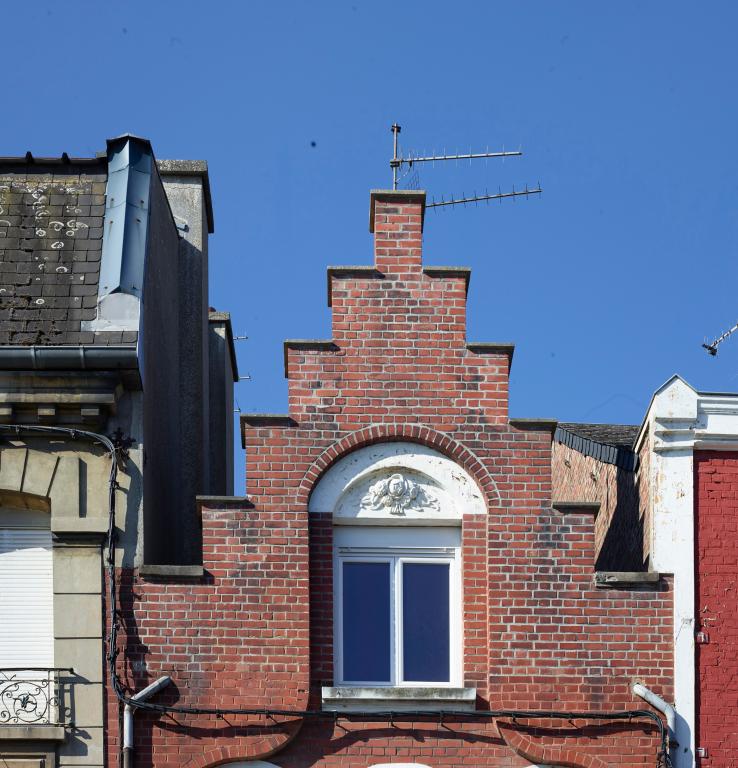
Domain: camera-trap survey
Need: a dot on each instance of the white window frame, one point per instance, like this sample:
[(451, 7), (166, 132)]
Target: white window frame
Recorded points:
[(397, 547)]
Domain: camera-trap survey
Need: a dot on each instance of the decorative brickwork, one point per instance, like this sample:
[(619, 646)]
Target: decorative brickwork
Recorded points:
[(258, 629), (716, 512)]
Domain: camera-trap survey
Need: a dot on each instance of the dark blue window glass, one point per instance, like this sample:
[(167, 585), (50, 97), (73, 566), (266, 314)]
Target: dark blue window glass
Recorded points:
[(425, 622), (366, 622)]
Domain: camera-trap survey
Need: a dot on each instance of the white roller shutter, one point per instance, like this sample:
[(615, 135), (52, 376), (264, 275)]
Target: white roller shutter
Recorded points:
[(26, 598)]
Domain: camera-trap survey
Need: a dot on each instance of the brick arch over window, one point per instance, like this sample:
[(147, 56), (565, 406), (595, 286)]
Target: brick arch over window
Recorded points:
[(249, 764), (412, 433), (541, 754), (242, 755)]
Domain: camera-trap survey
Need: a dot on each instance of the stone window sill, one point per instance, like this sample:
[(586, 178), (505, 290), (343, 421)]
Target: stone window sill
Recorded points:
[(621, 579), (398, 699), (32, 733)]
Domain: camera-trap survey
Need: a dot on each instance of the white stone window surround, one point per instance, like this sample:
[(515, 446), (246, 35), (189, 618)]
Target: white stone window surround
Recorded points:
[(445, 491), (399, 500)]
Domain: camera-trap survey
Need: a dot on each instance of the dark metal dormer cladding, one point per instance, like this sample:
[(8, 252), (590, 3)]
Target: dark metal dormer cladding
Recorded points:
[(127, 214)]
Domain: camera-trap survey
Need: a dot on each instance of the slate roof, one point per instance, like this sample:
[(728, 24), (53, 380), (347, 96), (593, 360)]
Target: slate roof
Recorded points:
[(619, 435), (609, 443), (51, 229)]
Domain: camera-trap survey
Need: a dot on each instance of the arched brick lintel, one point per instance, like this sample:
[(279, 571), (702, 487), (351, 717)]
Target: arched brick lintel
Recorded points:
[(412, 433), (256, 749), (540, 754)]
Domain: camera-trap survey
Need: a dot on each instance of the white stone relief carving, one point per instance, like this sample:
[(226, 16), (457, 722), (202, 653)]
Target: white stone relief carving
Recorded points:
[(396, 494), (345, 490)]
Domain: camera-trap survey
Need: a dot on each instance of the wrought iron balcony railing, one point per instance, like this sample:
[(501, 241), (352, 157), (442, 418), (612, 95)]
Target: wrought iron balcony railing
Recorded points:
[(35, 696)]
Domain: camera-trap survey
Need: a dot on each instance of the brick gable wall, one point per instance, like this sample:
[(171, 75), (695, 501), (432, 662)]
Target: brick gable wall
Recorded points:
[(619, 523), (257, 629)]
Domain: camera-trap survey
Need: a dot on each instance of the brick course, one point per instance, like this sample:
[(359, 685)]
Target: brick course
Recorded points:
[(257, 630)]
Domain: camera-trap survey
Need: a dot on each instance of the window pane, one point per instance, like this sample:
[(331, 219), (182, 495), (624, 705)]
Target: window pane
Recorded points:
[(425, 622), (366, 622)]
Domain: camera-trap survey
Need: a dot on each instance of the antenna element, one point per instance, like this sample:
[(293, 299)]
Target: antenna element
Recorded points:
[(398, 161), (712, 348)]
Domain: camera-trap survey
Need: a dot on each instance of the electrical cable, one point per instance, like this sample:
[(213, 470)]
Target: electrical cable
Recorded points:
[(663, 757)]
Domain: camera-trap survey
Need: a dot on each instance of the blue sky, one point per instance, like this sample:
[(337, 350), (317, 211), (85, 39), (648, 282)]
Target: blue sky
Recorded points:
[(626, 113)]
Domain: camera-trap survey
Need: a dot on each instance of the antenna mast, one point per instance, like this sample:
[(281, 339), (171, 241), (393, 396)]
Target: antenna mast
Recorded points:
[(398, 161), (712, 348)]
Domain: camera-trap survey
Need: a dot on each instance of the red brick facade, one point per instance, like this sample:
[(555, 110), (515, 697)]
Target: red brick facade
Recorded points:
[(621, 535), (716, 528), (257, 630)]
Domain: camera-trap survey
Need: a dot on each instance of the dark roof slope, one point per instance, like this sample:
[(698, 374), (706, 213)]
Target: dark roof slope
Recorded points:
[(620, 435), (609, 443), (51, 229)]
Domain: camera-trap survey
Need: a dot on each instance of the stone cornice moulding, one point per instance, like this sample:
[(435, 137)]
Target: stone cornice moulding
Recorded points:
[(682, 419)]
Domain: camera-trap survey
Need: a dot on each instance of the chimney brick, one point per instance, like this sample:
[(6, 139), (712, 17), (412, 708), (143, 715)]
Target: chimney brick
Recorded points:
[(396, 219)]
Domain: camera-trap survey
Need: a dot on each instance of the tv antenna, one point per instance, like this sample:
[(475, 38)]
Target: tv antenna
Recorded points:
[(398, 162), (712, 348)]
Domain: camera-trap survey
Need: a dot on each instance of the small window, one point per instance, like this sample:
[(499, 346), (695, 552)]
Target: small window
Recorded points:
[(397, 595)]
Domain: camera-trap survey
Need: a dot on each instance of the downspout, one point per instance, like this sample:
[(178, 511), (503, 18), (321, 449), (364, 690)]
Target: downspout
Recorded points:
[(129, 711), (664, 707)]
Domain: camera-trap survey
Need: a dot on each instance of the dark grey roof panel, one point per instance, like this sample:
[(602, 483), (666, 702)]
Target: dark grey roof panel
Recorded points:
[(621, 435), (51, 232), (608, 443)]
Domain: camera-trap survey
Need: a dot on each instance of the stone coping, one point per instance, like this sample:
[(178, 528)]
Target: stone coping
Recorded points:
[(577, 506), (534, 424)]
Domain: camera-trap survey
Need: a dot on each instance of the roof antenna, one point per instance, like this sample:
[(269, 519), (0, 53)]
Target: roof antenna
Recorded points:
[(398, 162), (712, 348)]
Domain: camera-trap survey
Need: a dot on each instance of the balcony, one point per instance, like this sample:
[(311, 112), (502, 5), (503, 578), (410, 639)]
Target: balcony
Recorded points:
[(35, 703)]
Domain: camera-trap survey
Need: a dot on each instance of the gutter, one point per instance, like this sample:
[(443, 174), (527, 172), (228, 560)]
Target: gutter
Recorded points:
[(84, 357)]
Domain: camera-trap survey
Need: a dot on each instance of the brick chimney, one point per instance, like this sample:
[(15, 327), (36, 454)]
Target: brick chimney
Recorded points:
[(396, 219)]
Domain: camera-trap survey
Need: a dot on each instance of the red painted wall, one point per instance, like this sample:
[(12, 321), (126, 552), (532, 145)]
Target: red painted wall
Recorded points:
[(716, 526), (257, 629)]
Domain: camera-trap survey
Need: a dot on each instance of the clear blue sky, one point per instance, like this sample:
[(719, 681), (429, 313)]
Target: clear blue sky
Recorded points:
[(626, 112)]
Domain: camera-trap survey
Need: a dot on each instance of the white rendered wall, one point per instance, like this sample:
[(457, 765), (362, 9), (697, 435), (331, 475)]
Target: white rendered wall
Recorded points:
[(679, 421)]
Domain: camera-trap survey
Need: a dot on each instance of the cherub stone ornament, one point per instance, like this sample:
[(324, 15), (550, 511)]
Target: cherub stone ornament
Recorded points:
[(396, 494)]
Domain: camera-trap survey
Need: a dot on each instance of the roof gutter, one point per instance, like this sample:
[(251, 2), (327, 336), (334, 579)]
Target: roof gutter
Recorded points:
[(89, 358)]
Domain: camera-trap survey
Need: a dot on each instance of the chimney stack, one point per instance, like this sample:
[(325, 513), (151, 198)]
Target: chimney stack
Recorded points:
[(396, 219)]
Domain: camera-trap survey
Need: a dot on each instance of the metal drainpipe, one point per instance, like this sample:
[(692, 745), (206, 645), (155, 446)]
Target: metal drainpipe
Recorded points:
[(129, 711), (664, 707)]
